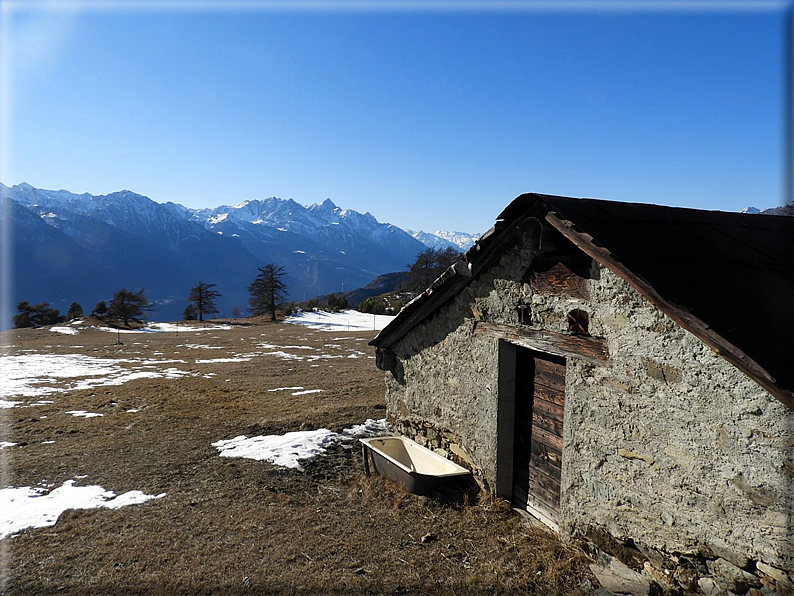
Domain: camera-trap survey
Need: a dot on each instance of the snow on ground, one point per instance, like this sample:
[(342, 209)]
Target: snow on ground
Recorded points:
[(284, 355), (289, 449), (43, 374), (349, 320), (199, 347), (4, 444), (26, 507), (83, 414), (239, 358), (65, 330), (171, 327), (165, 328), (35, 374)]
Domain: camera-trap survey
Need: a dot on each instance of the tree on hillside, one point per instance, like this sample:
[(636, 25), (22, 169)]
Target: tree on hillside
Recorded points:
[(100, 310), (336, 303), (429, 264), (202, 296), (128, 307), (236, 312), (267, 291), (36, 315), (23, 316), (189, 314), (373, 305), (75, 311)]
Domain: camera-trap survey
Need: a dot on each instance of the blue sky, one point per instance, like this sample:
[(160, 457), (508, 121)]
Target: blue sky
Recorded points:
[(429, 119)]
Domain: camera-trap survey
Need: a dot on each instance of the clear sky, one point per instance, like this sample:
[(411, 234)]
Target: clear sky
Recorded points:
[(429, 119)]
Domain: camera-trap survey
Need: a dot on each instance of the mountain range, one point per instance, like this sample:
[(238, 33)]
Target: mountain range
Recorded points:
[(70, 247)]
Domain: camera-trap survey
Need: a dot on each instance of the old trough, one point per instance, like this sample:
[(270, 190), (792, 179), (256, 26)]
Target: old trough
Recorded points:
[(417, 468)]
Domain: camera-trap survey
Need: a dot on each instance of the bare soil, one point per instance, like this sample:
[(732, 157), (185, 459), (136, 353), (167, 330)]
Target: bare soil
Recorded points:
[(238, 526)]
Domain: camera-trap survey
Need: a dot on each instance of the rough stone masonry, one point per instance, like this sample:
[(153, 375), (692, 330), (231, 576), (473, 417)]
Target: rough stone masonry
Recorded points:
[(667, 446)]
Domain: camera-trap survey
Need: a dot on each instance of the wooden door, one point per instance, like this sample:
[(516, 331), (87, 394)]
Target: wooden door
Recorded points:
[(537, 442)]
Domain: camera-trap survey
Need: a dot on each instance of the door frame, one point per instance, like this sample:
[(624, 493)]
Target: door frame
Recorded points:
[(505, 425)]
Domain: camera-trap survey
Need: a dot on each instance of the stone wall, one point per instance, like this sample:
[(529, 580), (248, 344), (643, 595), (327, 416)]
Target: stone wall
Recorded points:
[(670, 446)]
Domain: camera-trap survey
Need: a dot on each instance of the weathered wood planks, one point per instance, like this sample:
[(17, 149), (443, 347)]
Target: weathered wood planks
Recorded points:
[(584, 347)]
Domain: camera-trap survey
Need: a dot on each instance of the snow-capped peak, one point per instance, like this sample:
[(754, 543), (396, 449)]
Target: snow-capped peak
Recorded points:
[(783, 210), (440, 239)]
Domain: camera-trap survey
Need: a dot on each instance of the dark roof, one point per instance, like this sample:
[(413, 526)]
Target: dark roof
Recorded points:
[(726, 277)]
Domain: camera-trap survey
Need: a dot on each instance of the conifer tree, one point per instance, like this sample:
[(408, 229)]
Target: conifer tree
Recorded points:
[(202, 296), (267, 291), (429, 264), (129, 307), (75, 311), (100, 310), (36, 315)]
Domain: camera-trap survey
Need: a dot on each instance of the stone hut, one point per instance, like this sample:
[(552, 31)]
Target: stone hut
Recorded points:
[(615, 367)]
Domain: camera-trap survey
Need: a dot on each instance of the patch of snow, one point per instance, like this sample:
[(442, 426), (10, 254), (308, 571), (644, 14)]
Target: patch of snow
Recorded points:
[(293, 447), (286, 389), (83, 414), (65, 330), (284, 355), (166, 328), (26, 507), (200, 347), (241, 358), (350, 320), (282, 450), (4, 444), (169, 327), (369, 428), (218, 218), (78, 322), (5, 404), (43, 374), (133, 410), (307, 392)]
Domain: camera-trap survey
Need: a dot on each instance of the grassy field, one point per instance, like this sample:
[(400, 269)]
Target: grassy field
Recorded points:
[(229, 525)]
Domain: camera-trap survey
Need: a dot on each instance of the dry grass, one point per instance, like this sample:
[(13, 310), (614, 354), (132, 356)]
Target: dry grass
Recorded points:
[(230, 526)]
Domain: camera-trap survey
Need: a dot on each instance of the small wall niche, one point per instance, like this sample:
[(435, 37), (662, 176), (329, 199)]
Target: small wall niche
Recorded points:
[(579, 322)]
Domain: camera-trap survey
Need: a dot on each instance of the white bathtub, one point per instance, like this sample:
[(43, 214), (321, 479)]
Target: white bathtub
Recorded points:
[(417, 468)]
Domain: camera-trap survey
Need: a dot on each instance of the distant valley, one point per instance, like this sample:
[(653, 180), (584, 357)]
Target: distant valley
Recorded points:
[(71, 247)]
